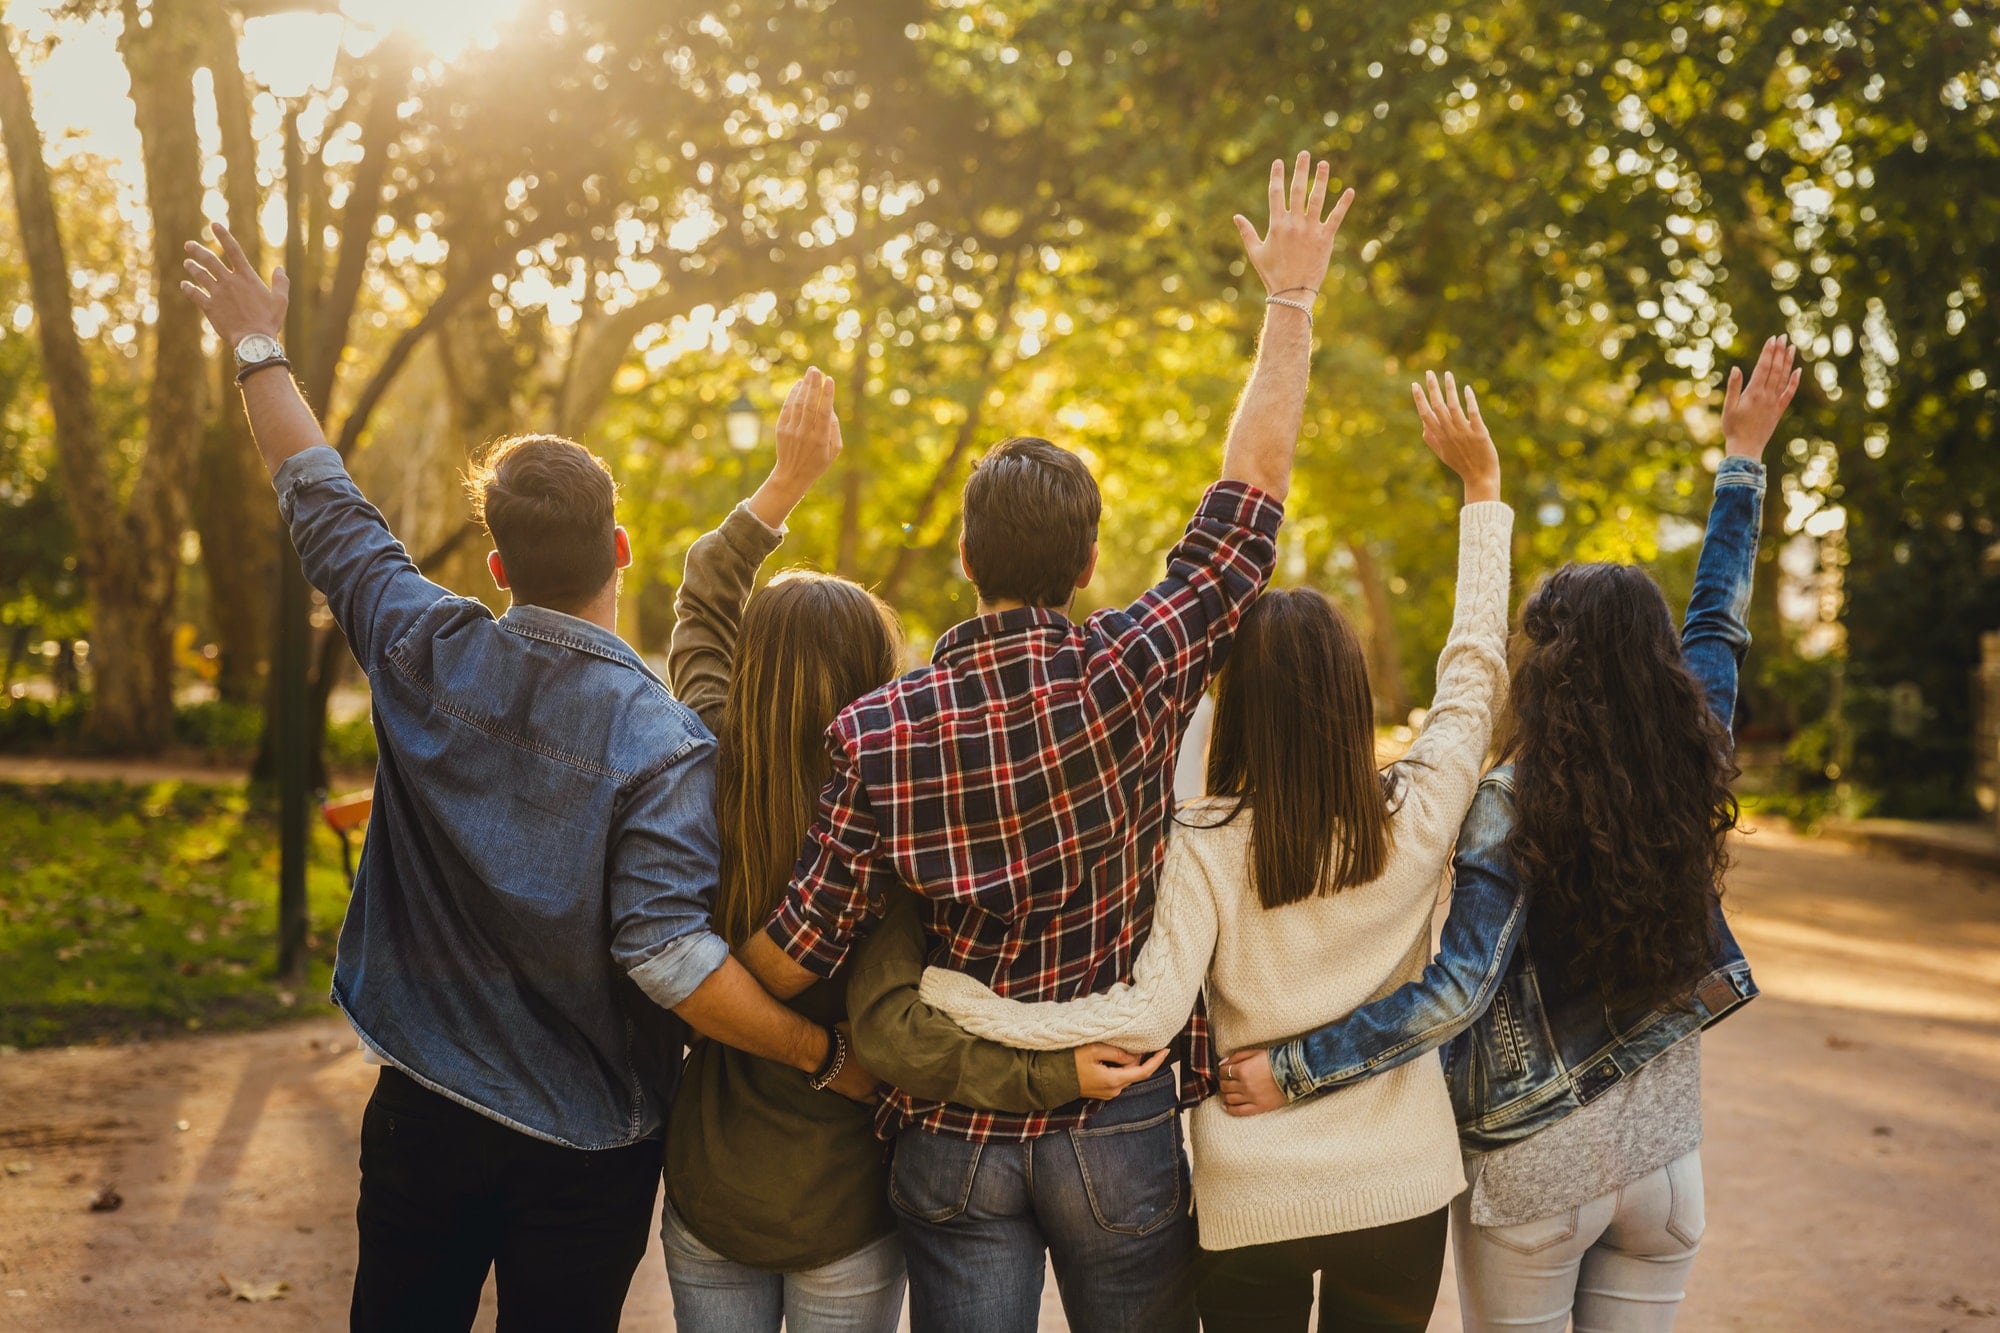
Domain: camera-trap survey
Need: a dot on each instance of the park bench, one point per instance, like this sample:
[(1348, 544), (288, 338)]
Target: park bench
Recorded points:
[(344, 814)]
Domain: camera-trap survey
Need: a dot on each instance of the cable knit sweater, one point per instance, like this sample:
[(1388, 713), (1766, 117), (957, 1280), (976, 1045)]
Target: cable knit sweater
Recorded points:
[(1386, 1149)]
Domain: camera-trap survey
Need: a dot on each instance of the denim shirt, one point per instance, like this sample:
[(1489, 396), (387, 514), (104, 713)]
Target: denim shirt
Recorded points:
[(535, 887), (1526, 1046)]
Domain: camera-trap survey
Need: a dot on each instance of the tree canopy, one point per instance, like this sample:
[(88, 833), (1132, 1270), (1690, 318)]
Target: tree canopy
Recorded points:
[(614, 217)]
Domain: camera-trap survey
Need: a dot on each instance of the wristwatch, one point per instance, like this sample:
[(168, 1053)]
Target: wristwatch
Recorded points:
[(257, 352)]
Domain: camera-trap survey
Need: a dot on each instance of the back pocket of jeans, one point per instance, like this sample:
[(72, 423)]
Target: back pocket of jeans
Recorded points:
[(1132, 1173), (1536, 1236), (930, 1179), (1687, 1212)]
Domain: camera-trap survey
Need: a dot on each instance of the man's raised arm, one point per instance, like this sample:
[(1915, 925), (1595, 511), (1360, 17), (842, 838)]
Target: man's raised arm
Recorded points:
[(371, 585), (1291, 259), (240, 305)]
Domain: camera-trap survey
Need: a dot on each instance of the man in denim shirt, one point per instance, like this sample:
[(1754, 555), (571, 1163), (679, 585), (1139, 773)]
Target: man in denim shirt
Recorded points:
[(529, 931)]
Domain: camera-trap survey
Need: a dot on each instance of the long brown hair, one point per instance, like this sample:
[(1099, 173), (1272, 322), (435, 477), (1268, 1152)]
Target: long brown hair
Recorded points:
[(1294, 740), (1621, 778), (811, 645)]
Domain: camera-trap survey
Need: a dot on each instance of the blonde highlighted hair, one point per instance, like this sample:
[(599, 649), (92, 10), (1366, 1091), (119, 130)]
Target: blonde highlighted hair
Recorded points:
[(811, 644)]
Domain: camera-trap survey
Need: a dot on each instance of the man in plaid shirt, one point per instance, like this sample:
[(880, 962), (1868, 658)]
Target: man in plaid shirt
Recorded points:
[(1022, 786)]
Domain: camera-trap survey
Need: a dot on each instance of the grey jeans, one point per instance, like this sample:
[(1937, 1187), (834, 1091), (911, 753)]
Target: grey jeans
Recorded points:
[(1618, 1264)]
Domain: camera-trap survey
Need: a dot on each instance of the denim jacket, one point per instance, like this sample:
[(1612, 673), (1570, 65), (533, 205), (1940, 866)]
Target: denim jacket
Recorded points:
[(1524, 1046), (535, 887)]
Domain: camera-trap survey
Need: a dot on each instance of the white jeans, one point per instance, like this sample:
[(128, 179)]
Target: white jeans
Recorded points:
[(1618, 1264)]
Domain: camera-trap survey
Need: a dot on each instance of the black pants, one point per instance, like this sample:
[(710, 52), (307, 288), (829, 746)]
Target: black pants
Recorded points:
[(1382, 1278), (447, 1193)]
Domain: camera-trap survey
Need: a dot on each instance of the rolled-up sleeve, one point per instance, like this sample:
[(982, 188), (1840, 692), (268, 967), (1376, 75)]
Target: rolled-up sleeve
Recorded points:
[(1183, 624), (663, 876), (371, 585), (841, 884)]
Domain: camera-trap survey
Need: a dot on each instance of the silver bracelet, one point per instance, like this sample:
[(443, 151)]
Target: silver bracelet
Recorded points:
[(1299, 306), (836, 1060)]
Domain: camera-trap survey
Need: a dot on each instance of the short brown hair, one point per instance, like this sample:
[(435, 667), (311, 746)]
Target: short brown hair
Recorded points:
[(550, 506), (1031, 513)]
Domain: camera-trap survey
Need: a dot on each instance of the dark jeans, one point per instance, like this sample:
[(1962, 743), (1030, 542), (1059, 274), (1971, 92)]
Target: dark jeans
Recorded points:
[(1108, 1204), (1381, 1278), (447, 1193)]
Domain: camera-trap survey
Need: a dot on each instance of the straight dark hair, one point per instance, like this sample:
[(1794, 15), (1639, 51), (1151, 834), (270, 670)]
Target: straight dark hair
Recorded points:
[(1294, 740), (1621, 781)]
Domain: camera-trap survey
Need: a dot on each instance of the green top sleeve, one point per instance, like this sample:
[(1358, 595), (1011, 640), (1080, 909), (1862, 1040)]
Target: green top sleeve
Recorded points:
[(708, 610), (907, 1042)]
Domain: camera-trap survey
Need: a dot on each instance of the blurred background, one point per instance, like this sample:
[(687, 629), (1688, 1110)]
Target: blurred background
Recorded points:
[(635, 222)]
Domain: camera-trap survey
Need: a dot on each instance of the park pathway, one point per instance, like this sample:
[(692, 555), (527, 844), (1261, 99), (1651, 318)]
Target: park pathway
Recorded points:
[(1853, 1137)]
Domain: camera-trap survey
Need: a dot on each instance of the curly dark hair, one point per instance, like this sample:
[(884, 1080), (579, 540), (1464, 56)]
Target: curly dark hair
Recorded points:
[(1622, 788)]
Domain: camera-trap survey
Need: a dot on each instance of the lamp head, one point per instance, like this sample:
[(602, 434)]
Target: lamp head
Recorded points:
[(743, 425)]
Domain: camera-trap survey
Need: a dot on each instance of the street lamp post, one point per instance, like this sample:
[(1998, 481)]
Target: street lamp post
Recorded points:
[(291, 54), (744, 427)]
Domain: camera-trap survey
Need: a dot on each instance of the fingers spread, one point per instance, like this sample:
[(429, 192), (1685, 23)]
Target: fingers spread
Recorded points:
[(1340, 209), (1301, 171), (231, 247), (1277, 187), (1316, 200), (195, 294), (208, 259)]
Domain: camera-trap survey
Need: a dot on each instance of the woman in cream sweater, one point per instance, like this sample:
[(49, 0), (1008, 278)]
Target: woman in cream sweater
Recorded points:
[(1300, 888)]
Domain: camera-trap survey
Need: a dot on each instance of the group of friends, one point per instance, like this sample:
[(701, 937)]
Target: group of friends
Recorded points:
[(915, 980)]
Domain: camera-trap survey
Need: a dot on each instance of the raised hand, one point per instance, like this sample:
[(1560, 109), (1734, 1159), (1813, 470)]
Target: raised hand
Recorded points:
[(1248, 1086), (1456, 433), (1750, 413), (1292, 255), (1102, 1072), (808, 444), (229, 293)]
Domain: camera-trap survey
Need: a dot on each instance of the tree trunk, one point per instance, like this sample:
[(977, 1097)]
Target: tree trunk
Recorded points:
[(1385, 666), (131, 554), (854, 449), (162, 59), (231, 501)]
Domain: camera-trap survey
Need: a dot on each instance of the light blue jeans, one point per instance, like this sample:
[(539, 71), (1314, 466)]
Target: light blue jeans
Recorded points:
[(862, 1293), (1618, 1264)]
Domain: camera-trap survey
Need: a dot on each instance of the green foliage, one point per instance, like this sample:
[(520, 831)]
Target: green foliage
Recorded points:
[(990, 218), (36, 724), (221, 730), (350, 746), (128, 911)]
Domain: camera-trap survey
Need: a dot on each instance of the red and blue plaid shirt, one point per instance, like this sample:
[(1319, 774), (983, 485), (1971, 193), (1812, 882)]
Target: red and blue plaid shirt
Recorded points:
[(1022, 785)]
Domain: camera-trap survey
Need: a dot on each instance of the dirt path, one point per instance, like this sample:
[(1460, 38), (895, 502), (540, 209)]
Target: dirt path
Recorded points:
[(1853, 1123)]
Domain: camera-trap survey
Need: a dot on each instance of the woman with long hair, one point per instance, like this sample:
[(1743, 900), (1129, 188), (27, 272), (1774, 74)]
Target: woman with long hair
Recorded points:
[(777, 1208), (1586, 949), (1304, 884)]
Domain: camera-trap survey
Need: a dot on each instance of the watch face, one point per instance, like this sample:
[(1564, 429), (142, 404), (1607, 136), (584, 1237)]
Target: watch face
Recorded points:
[(258, 347)]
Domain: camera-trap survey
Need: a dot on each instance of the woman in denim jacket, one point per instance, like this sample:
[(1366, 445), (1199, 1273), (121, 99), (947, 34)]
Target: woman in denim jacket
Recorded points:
[(1585, 948)]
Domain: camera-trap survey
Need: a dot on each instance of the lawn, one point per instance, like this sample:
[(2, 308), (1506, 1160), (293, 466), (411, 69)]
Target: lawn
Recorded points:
[(140, 910)]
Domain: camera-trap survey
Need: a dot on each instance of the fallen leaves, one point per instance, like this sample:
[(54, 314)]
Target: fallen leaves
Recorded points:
[(256, 1292)]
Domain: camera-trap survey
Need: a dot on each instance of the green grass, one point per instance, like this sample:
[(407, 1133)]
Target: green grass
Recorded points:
[(142, 910)]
